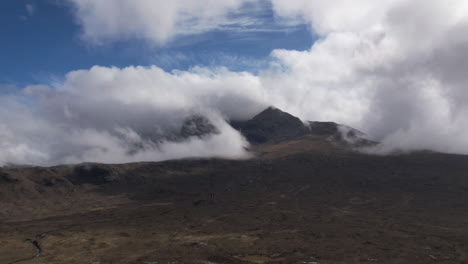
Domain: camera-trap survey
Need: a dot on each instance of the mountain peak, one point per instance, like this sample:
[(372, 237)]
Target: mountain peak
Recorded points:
[(271, 125), (272, 113), (274, 120)]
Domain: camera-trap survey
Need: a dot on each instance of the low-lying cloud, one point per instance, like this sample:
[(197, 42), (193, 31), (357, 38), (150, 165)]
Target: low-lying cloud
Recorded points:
[(122, 115), (395, 69)]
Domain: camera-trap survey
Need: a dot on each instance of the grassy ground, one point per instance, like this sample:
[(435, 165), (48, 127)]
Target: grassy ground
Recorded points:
[(303, 201)]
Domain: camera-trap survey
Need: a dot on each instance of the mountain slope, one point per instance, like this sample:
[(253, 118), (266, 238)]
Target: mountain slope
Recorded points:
[(303, 199)]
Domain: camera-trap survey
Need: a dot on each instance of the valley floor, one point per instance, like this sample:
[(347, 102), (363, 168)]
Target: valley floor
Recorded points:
[(308, 207)]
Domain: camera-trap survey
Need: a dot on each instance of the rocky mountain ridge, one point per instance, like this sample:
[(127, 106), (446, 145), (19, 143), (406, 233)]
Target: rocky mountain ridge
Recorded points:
[(274, 126)]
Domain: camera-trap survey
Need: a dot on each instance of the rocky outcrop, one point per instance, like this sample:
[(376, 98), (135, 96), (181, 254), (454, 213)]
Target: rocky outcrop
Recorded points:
[(271, 126), (197, 126)]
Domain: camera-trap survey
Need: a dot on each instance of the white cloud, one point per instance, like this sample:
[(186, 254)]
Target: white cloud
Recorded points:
[(160, 21), (122, 115), (156, 20), (395, 69)]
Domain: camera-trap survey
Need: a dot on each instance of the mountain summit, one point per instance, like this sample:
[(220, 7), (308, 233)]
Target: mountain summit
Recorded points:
[(273, 126), (270, 126)]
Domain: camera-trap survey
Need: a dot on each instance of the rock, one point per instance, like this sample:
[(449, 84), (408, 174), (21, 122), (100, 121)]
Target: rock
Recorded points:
[(197, 126), (271, 126)]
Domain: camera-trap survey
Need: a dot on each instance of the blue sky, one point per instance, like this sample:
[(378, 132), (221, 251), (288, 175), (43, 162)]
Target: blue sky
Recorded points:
[(41, 41)]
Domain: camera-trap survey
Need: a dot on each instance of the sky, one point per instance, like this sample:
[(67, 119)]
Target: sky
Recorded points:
[(111, 80), (42, 41)]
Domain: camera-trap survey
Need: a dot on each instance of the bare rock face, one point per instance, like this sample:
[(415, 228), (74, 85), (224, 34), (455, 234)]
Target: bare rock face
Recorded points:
[(274, 126), (197, 126), (323, 128), (271, 126)]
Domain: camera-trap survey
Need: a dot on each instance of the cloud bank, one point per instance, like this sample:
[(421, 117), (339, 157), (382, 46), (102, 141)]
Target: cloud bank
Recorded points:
[(395, 69), (400, 64), (116, 115)]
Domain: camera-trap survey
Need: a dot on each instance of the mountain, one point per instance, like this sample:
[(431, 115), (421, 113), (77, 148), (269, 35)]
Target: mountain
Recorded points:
[(274, 126), (304, 197), (270, 126)]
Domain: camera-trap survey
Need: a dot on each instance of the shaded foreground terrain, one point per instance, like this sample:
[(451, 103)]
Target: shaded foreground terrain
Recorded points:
[(303, 199)]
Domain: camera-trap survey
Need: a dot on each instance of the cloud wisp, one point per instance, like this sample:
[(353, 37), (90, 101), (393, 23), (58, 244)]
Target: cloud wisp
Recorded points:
[(31, 10), (160, 21)]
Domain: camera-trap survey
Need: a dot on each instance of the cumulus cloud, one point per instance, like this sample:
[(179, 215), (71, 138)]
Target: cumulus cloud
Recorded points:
[(400, 60), (122, 115), (394, 69)]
